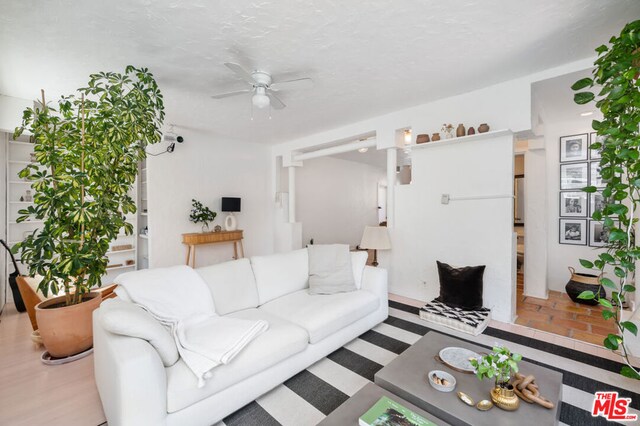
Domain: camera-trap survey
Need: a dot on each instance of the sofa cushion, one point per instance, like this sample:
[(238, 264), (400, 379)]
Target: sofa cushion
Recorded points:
[(127, 319), (281, 341), (461, 287), (232, 285), (330, 269), (358, 262), (280, 274), (322, 314)]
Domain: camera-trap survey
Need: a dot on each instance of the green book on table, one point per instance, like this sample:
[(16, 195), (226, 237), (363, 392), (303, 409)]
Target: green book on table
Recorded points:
[(387, 412)]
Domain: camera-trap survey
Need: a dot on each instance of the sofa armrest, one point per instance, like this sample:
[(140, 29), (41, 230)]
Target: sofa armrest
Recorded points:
[(375, 281), (130, 377)]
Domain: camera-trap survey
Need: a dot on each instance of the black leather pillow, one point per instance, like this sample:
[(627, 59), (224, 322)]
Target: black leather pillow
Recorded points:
[(461, 287)]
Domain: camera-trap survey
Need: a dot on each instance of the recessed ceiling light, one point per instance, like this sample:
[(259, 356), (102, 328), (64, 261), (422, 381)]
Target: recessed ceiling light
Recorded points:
[(363, 150), (586, 114)]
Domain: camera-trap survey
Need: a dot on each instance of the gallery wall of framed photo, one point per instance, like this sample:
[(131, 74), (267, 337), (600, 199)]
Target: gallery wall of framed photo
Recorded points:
[(580, 167)]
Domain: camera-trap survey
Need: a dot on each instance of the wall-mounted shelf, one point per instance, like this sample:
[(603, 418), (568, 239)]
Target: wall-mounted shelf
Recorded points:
[(463, 139), (117, 268)]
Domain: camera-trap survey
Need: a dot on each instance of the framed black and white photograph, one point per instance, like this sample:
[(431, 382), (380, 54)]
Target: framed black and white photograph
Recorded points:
[(595, 154), (573, 204), (595, 179), (596, 202), (574, 176), (574, 148), (573, 231), (598, 233)]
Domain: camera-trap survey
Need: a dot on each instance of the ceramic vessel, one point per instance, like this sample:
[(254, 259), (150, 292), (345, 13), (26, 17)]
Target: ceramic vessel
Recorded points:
[(579, 282), (471, 131), (505, 398), (435, 137), (67, 330), (460, 131), (483, 128), (423, 138)]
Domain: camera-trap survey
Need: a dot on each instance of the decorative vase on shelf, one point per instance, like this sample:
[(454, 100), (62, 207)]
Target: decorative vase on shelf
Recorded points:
[(460, 131), (205, 228), (423, 138), (435, 137), (447, 129), (483, 128), (471, 131)]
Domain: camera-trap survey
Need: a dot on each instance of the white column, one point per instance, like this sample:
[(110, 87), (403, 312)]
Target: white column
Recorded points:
[(292, 194), (392, 162)]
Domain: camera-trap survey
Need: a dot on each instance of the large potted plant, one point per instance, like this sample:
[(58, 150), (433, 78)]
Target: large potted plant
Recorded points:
[(616, 77), (87, 153)]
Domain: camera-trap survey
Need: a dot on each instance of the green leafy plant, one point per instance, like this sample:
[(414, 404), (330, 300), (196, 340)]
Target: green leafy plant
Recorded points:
[(500, 365), (201, 213), (87, 153), (616, 77)]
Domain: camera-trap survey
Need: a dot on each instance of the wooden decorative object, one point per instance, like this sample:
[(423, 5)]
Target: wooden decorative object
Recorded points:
[(527, 390)]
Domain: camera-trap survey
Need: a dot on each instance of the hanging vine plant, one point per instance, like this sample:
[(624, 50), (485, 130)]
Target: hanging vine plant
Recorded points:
[(617, 76)]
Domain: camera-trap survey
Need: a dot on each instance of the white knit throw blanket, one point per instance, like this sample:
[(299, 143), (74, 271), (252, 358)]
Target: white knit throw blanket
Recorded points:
[(179, 298)]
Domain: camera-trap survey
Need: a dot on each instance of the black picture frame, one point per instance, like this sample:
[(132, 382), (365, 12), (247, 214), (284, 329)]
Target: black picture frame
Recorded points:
[(574, 148), (573, 231), (598, 235), (596, 202), (571, 180), (595, 154), (573, 204)]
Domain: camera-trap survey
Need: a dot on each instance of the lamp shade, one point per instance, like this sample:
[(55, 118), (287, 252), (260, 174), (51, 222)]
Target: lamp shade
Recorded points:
[(375, 237)]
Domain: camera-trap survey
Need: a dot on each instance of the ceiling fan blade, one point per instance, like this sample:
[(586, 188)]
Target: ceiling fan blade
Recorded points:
[(276, 103), (299, 83), (226, 95), (240, 72)]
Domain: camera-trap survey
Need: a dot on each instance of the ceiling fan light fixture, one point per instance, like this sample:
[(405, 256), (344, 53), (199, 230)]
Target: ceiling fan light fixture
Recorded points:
[(260, 99)]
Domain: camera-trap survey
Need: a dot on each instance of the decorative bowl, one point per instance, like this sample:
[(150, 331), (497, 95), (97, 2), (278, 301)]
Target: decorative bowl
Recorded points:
[(441, 380)]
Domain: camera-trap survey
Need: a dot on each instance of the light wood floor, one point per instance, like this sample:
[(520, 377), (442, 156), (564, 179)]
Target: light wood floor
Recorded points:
[(33, 394)]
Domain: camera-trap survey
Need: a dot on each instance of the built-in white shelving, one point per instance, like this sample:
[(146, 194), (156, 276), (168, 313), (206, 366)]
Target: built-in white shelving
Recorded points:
[(143, 218), (17, 157)]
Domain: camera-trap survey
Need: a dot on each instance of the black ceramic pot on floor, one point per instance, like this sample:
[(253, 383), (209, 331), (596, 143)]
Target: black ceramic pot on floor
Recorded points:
[(580, 282)]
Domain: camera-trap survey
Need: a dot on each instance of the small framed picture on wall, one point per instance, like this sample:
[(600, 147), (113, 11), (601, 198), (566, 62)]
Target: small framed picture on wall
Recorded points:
[(598, 233), (596, 202), (595, 154), (574, 176), (574, 148), (573, 231), (595, 179), (573, 204)]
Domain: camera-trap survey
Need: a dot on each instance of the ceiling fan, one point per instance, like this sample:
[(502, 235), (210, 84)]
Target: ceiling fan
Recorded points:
[(263, 87)]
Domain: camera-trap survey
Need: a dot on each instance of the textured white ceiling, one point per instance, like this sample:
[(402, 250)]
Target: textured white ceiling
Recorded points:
[(366, 57)]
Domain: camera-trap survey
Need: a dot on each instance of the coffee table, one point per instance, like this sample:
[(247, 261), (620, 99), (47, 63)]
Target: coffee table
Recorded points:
[(351, 410), (406, 376)]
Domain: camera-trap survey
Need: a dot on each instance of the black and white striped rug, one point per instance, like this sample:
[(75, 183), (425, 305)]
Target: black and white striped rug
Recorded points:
[(309, 396)]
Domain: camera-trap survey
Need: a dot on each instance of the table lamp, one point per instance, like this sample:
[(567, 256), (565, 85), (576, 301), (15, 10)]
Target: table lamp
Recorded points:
[(230, 205), (376, 238)]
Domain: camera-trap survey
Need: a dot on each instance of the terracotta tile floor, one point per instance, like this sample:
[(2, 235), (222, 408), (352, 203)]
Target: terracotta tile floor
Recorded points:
[(560, 315)]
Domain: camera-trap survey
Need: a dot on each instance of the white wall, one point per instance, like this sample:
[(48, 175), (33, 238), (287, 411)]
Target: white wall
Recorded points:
[(336, 199), (461, 233), (11, 111), (561, 256), (207, 169)]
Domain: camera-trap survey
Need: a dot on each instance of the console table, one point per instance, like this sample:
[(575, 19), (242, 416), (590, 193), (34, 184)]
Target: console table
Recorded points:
[(195, 239)]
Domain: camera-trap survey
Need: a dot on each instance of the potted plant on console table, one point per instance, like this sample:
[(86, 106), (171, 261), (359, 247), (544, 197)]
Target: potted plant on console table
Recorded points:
[(87, 153)]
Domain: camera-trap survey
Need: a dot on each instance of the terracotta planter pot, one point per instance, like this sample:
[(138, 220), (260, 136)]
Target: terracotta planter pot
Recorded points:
[(67, 330)]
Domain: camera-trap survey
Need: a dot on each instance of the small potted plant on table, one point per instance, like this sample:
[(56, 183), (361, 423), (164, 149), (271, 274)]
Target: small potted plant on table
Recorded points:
[(201, 214), (500, 365)]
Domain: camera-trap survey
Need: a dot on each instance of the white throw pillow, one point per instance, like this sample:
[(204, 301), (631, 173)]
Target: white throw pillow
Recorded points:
[(232, 285), (127, 319), (280, 274), (358, 262), (330, 269)]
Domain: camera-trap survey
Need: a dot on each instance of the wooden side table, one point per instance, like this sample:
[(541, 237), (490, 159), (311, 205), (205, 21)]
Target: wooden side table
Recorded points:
[(199, 238)]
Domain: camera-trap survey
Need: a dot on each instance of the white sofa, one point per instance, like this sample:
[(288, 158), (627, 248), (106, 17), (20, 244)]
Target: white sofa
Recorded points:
[(137, 389)]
